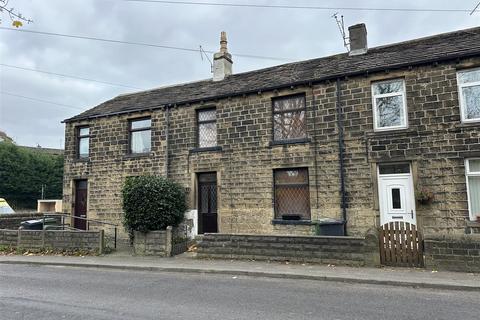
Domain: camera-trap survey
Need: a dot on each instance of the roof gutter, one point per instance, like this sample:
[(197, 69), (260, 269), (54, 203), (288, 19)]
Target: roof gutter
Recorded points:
[(282, 86)]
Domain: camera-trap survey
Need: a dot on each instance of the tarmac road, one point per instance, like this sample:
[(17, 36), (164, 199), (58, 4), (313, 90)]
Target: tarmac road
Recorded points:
[(41, 292)]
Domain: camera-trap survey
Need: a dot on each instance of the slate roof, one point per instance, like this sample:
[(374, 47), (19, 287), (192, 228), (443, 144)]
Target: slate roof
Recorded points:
[(452, 45)]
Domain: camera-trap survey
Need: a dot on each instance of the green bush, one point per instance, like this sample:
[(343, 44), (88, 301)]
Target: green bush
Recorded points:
[(152, 203)]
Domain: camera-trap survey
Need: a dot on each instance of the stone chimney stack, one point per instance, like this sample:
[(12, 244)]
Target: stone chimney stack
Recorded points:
[(358, 39), (222, 61)]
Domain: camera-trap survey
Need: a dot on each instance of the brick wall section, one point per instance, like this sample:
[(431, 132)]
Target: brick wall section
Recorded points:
[(354, 251), (12, 221), (56, 239), (153, 243), (435, 143), (453, 252)]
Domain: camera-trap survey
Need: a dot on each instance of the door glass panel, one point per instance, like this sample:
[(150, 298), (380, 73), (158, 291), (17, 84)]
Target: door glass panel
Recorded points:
[(396, 201), (394, 168)]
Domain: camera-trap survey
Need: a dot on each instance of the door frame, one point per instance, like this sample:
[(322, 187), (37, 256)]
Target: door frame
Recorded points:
[(200, 227), (411, 199)]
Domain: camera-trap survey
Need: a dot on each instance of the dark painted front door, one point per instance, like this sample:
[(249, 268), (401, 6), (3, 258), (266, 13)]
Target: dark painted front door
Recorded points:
[(207, 203), (80, 210)]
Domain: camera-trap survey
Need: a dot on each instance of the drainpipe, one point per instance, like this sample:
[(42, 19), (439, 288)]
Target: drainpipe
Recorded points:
[(341, 152), (167, 140)]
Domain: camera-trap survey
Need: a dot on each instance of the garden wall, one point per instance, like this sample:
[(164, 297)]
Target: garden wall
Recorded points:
[(453, 252), (53, 239), (355, 251), (153, 243), (12, 221)]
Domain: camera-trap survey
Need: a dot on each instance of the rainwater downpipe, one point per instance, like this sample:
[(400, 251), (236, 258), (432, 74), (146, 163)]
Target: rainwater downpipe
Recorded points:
[(167, 140), (341, 153)]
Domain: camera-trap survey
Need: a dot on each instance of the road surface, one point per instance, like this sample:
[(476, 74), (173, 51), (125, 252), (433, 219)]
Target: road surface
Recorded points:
[(39, 292)]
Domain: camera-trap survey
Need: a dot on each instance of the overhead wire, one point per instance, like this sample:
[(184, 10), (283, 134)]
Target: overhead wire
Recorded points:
[(39, 100), (275, 6), (144, 44), (70, 76)]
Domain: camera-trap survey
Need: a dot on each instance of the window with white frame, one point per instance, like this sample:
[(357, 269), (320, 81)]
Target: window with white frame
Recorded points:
[(472, 170), (469, 91), (389, 105)]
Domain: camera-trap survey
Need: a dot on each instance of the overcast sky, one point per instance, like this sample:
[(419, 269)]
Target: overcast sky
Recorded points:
[(285, 33)]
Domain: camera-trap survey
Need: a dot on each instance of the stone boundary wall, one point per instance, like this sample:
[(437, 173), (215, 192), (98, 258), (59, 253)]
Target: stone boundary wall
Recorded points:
[(453, 252), (153, 243), (53, 239), (354, 251), (12, 221)]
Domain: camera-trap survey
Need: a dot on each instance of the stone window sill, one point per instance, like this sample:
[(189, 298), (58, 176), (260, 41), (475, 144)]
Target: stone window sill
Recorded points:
[(78, 160), (471, 223), (136, 156), (292, 222), (392, 132), (209, 149), (288, 142)]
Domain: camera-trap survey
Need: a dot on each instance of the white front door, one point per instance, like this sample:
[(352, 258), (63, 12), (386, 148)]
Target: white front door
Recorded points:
[(396, 194)]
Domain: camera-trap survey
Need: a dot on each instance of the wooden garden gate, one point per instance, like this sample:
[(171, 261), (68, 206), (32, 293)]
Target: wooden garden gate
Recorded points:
[(401, 245)]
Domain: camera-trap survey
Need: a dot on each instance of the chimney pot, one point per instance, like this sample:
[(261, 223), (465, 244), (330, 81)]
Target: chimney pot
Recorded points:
[(358, 39)]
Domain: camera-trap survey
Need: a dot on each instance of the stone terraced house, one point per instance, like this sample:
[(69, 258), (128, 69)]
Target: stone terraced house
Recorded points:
[(375, 135)]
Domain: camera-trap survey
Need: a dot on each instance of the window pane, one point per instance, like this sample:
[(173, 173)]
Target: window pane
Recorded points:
[(474, 193), (469, 76), (474, 165), (394, 168), (207, 115), (292, 195), (471, 98), (207, 135), (291, 176), (292, 201), (83, 147), (390, 111), (289, 125), (396, 202), (282, 104), (140, 141), (388, 87), (137, 124), (84, 131)]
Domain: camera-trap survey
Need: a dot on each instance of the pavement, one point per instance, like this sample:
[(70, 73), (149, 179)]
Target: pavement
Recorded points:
[(187, 263)]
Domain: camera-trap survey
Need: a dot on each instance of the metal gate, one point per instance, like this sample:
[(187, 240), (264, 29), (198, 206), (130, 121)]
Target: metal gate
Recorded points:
[(401, 245), (180, 240)]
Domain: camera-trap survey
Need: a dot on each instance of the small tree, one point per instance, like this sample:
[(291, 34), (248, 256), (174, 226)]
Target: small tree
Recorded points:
[(152, 203)]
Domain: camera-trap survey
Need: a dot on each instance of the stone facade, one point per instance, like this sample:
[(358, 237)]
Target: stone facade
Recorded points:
[(435, 143), (353, 251), (55, 239)]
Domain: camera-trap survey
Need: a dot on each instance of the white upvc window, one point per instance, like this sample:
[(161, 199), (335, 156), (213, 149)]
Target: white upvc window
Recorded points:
[(472, 172), (469, 94), (389, 105)]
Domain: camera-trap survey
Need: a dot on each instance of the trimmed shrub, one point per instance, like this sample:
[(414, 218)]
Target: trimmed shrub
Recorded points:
[(152, 203)]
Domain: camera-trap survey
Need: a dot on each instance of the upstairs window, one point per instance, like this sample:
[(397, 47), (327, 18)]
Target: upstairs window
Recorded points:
[(207, 128), (292, 195), (472, 171), (389, 105), (140, 135), (469, 91), (83, 142), (289, 118)]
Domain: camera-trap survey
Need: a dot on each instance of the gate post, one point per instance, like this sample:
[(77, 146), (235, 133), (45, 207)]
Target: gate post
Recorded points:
[(372, 250), (168, 242)]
